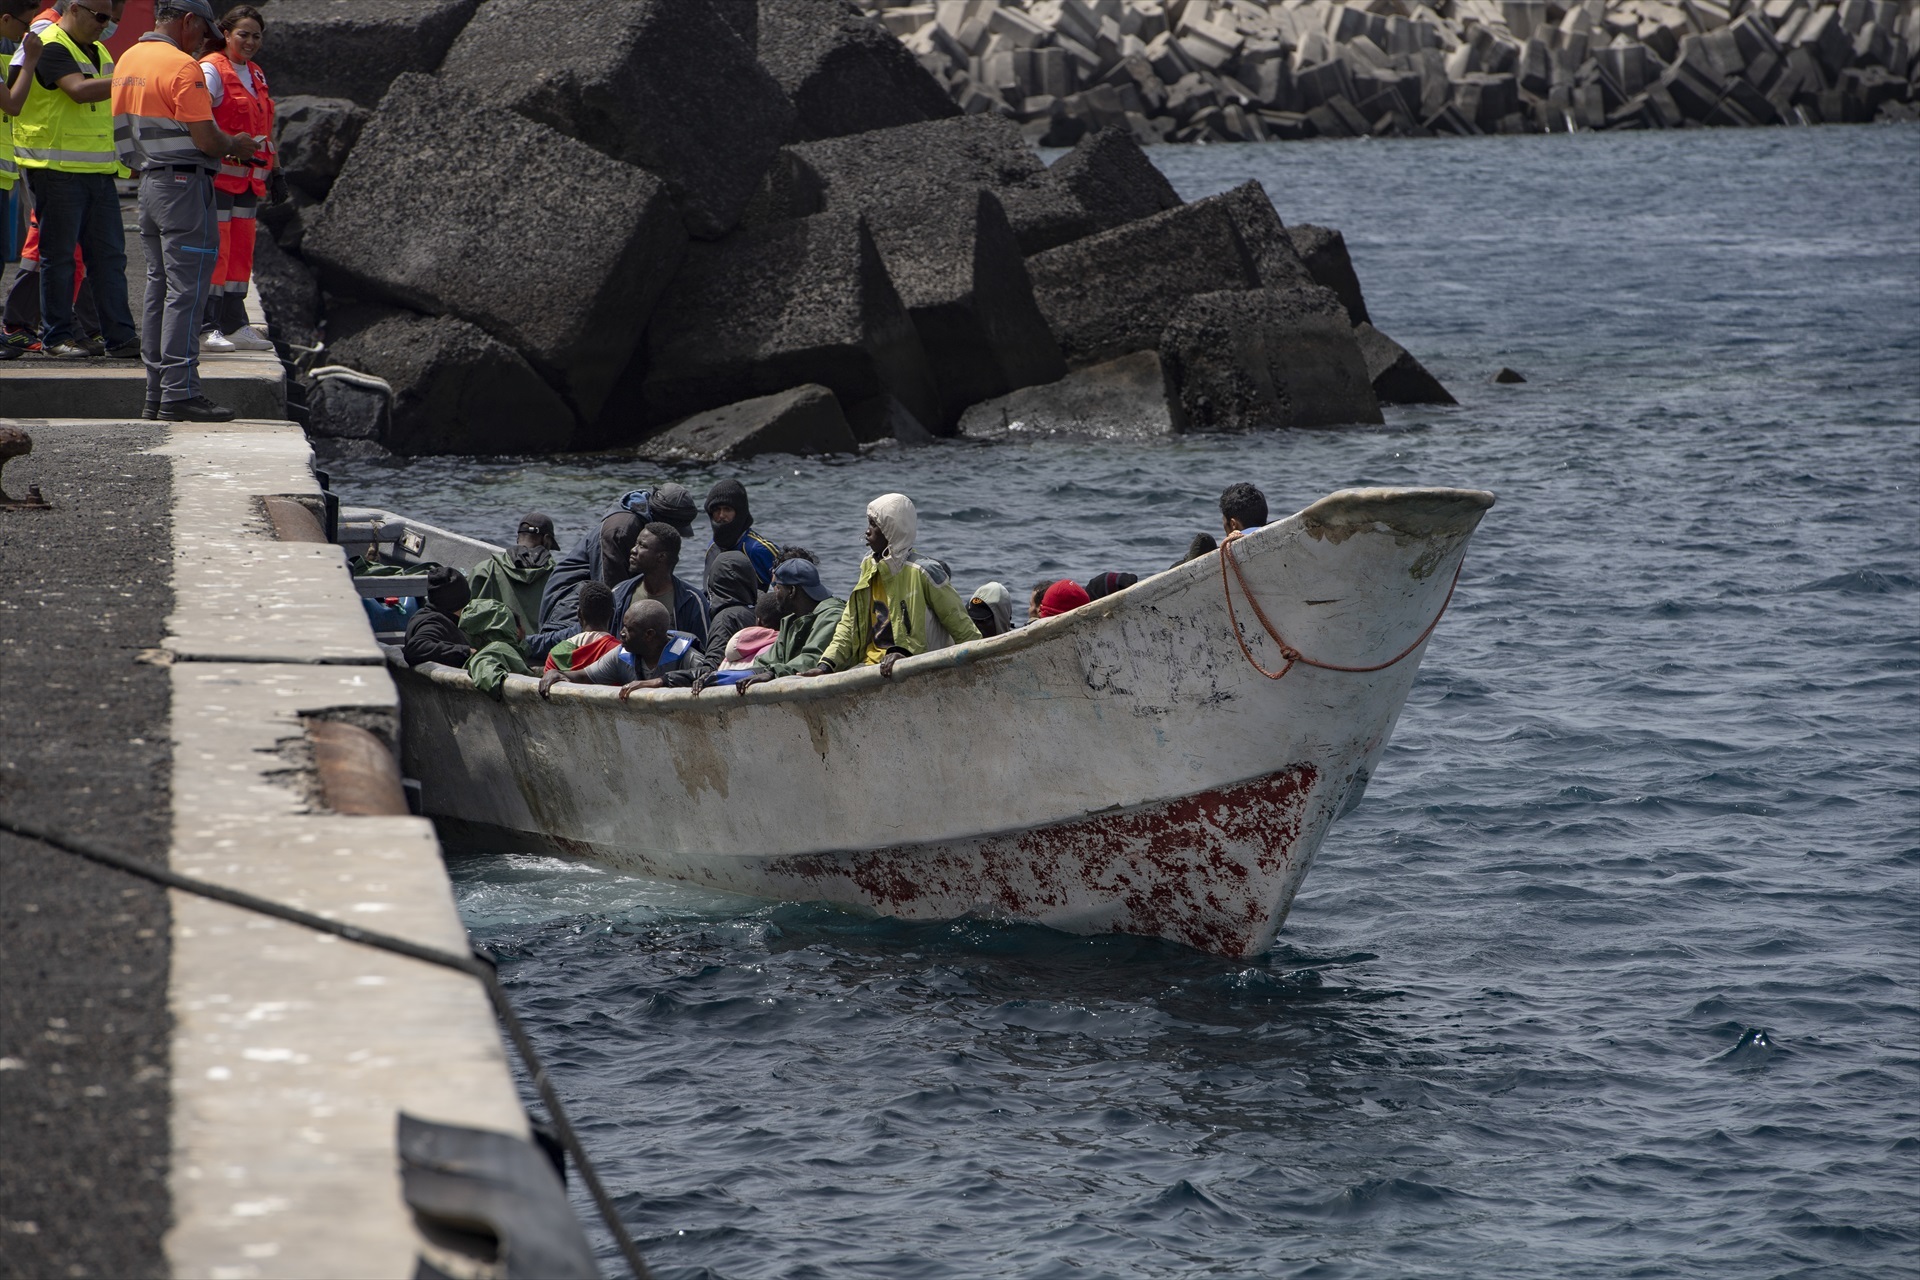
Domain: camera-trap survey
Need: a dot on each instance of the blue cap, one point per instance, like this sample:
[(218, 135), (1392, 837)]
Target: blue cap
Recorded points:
[(803, 574)]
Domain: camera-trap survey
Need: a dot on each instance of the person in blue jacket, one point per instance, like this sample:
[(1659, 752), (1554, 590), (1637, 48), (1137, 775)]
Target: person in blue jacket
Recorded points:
[(655, 555), (601, 555), (652, 655), (733, 531)]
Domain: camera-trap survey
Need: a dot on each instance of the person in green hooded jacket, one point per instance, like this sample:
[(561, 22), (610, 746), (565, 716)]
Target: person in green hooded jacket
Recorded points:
[(517, 576), (489, 627), (901, 605), (809, 615)]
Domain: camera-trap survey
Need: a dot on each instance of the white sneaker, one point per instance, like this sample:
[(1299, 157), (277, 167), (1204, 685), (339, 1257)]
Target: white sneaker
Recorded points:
[(247, 338), (216, 342)]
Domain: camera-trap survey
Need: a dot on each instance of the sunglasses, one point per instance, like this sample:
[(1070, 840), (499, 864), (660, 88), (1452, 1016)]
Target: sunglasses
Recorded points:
[(95, 14)]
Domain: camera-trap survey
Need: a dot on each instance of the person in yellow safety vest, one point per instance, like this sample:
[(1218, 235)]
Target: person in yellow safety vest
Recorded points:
[(63, 141), (14, 16)]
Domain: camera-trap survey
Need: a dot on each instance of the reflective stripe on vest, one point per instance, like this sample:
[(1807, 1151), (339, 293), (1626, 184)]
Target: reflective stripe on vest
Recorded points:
[(146, 141), (241, 110), (55, 132)]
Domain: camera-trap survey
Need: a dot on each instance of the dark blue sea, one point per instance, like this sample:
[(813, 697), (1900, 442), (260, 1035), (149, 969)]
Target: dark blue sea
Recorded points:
[(1613, 973)]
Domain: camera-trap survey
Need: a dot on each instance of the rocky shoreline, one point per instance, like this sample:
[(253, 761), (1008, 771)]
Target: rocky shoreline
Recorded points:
[(702, 230), (1244, 71)]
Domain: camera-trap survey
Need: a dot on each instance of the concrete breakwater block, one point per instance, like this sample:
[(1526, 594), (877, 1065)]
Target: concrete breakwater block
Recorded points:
[(1129, 398), (342, 49), (965, 286), (456, 389), (844, 72), (1257, 359), (314, 137), (1272, 259), (942, 159), (451, 206), (1252, 72), (808, 300), (663, 84), (803, 420), (1397, 377), (1113, 180), (289, 294), (1111, 293), (1324, 251)]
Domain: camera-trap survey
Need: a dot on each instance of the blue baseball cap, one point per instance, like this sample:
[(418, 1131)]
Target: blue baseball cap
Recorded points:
[(803, 574)]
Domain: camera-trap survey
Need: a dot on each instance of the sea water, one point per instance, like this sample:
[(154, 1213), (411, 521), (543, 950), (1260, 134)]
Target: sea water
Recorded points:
[(1613, 973)]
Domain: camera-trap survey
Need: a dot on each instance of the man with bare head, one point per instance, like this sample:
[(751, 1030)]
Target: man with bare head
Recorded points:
[(652, 655)]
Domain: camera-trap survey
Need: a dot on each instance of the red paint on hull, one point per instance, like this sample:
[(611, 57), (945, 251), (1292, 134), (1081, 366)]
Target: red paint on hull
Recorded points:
[(1212, 870)]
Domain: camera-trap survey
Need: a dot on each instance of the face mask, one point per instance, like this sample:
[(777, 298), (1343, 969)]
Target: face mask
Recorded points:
[(108, 33)]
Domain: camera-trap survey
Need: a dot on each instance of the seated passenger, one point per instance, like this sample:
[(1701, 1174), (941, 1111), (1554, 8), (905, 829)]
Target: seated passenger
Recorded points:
[(601, 557), (733, 593), (991, 609), (489, 626), (900, 605), (733, 531), (651, 655), (748, 643), (1035, 596), (433, 634), (809, 615), (668, 503), (655, 555), (1201, 545), (1243, 508), (1101, 585), (1061, 597), (517, 577), (595, 636)]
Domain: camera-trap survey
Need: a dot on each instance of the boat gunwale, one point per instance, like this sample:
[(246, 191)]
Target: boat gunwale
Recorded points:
[(1344, 509)]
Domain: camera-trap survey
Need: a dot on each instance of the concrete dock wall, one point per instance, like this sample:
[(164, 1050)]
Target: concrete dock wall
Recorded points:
[(266, 1064)]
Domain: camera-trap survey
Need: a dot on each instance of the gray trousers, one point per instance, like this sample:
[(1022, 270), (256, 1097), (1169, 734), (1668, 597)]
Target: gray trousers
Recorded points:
[(181, 236)]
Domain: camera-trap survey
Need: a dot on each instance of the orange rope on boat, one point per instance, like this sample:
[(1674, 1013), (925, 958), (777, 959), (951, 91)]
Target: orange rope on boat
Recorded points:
[(1287, 651)]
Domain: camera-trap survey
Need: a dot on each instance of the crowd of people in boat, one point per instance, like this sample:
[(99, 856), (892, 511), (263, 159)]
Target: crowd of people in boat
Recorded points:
[(622, 609)]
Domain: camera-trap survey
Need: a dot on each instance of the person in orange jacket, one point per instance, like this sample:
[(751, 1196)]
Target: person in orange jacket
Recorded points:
[(242, 103)]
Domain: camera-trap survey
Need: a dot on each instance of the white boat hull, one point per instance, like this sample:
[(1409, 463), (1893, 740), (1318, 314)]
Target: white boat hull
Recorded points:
[(1124, 768)]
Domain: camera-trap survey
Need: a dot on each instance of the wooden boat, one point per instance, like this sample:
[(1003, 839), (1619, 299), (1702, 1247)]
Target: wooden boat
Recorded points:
[(1164, 761)]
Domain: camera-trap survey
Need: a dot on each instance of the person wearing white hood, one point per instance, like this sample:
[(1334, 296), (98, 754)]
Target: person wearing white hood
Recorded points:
[(900, 605)]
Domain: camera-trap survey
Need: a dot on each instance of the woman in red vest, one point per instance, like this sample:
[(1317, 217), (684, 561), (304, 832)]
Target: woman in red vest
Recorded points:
[(241, 103)]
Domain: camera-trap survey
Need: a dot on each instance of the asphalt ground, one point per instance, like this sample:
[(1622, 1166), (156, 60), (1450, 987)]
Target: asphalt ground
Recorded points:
[(84, 951)]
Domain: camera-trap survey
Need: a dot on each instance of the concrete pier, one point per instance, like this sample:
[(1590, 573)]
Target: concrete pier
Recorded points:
[(187, 1087)]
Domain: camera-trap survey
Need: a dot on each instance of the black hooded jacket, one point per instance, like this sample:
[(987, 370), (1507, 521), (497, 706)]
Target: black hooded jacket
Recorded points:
[(732, 590)]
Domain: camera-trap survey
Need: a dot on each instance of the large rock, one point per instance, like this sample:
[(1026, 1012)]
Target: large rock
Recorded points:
[(664, 84), (1270, 254), (355, 48), (1396, 376), (1113, 180), (313, 137), (844, 72), (807, 300), (941, 159), (449, 205), (1263, 358), (959, 272), (805, 420), (455, 388), (1324, 250), (288, 293), (1112, 293), (1125, 399)]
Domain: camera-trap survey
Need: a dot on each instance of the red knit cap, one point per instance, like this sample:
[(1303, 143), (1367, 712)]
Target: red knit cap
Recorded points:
[(1062, 596)]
